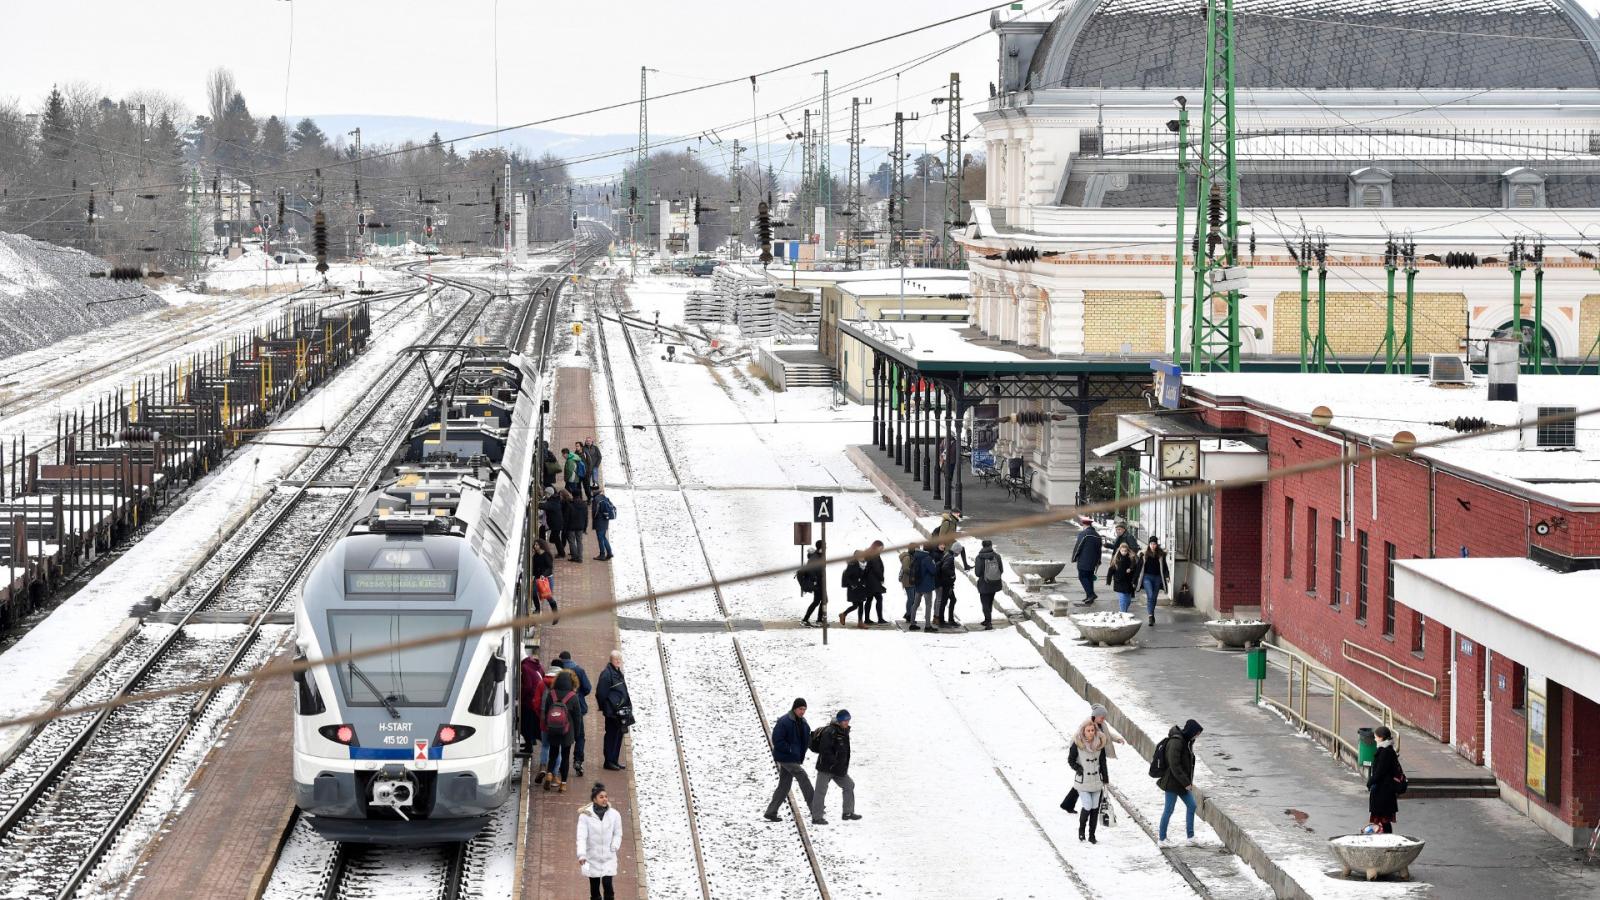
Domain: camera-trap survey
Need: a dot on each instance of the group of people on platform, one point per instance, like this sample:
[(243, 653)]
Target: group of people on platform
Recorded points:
[(567, 512)]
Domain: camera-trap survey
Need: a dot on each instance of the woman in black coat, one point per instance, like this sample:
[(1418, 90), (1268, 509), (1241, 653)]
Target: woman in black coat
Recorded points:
[(544, 566), (1123, 576), (944, 604), (854, 582), (1385, 783), (875, 581)]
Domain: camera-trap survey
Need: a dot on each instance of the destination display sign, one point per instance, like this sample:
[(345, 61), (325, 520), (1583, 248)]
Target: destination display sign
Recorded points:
[(394, 581)]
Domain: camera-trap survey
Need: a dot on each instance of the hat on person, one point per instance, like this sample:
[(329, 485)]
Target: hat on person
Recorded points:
[(1097, 711), (1085, 521), (842, 715), (565, 654), (1191, 730), (1154, 540), (549, 491), (799, 702)]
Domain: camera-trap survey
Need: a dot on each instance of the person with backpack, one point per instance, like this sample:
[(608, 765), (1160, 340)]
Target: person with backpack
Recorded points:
[(1152, 574), (1386, 782), (603, 512), (790, 739), (558, 721), (831, 744), (854, 582), (874, 567), (990, 570), (530, 702), (555, 516), (598, 840), (565, 661), (1087, 758), (1123, 575), (924, 578), (812, 581), (544, 579), (572, 472), (1172, 767), (576, 514), (616, 707), (552, 468), (944, 606)]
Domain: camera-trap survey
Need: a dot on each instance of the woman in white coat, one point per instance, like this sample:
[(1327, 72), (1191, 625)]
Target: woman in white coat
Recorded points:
[(599, 839), (1088, 761)]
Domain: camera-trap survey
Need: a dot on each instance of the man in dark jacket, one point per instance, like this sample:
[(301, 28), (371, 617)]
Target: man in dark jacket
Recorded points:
[(591, 462), (1178, 778), (1086, 556), (603, 512), (617, 708), (832, 746), (576, 514), (790, 738), (813, 581), (990, 569), (924, 578), (555, 519), (585, 688), (875, 579), (1124, 536), (944, 606)]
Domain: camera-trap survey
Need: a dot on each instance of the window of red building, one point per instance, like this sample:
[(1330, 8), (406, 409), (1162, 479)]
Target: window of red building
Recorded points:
[(1336, 596), (1288, 537), (1361, 574), (1311, 550), (1388, 589)]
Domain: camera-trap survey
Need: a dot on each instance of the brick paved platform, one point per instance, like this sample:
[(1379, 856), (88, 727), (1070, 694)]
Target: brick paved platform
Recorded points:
[(549, 862), (223, 844)]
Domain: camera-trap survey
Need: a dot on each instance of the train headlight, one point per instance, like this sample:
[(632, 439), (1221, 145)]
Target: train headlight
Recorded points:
[(450, 734), (339, 734)]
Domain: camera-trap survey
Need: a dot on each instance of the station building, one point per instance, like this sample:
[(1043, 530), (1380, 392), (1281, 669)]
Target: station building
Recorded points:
[(1456, 584)]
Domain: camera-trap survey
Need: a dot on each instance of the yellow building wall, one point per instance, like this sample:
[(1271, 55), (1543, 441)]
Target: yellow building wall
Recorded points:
[(1114, 318), (1588, 323), (1356, 322)]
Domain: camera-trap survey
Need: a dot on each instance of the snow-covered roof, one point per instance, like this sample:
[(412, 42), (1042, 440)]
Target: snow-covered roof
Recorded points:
[(1376, 407), (1541, 618), (923, 286), (813, 279)]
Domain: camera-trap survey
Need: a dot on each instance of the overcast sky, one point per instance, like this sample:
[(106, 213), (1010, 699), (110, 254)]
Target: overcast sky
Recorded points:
[(436, 59)]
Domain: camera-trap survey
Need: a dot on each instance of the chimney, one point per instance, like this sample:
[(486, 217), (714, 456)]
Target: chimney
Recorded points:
[(1504, 359)]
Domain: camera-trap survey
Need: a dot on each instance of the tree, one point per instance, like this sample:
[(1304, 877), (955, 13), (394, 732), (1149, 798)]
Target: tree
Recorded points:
[(310, 143), (274, 147), (235, 135), (55, 126)]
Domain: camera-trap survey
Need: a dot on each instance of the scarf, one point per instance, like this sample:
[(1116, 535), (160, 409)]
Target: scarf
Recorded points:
[(1094, 746), (1386, 743), (600, 811)]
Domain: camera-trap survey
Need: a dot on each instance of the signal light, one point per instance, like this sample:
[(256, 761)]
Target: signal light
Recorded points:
[(339, 734), (452, 734)]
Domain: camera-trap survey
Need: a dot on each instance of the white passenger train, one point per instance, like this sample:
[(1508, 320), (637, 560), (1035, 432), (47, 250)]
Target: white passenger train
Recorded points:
[(416, 745)]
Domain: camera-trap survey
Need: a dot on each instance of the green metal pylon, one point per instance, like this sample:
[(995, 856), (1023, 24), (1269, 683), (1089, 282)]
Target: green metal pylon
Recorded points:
[(1216, 341), (1302, 261), (1408, 251), (1514, 263), (1536, 352), (1391, 259)]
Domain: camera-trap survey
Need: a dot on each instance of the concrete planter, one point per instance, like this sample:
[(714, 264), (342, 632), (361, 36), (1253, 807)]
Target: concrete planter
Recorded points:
[(1374, 855), (1046, 569), (1107, 629), (1238, 633)]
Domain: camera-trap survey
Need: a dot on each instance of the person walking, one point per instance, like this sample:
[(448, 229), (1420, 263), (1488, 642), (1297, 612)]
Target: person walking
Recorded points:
[(944, 609), (832, 746), (602, 511), (530, 701), (555, 517), (599, 838), (1176, 754), (591, 462), (576, 514), (1123, 575), (617, 709), (544, 567), (558, 719), (1385, 784), (1097, 718), (1153, 575), (790, 738), (812, 581), (874, 566), (924, 578), (585, 688), (854, 582), (990, 570), (1086, 556), (1124, 537), (1088, 761)]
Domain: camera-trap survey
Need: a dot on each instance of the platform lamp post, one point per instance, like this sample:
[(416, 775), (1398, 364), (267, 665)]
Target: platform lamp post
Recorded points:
[(1180, 126)]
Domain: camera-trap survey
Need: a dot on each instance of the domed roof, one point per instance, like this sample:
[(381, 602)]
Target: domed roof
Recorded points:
[(1397, 44)]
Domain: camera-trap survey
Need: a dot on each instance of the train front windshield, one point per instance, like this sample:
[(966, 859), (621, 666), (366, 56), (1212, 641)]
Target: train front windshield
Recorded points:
[(419, 676)]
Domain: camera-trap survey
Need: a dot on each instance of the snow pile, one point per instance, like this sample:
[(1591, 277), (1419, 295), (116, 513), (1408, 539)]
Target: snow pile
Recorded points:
[(1375, 841), (46, 294), (1106, 619)]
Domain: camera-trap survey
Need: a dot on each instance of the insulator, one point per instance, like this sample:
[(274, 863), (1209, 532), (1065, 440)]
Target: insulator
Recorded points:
[(125, 273), (280, 210), (1214, 211), (319, 240), (91, 207), (1466, 424)]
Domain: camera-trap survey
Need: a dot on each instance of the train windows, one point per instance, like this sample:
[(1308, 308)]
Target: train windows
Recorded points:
[(491, 697), (417, 676), (307, 699)]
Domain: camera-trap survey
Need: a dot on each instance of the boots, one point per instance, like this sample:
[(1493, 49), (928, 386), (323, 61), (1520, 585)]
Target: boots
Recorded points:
[(1094, 822), (1083, 821)]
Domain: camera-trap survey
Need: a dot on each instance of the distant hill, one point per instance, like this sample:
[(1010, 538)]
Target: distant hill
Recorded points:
[(533, 141)]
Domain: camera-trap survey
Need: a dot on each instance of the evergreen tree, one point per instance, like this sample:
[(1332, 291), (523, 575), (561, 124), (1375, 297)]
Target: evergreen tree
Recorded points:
[(274, 146), (56, 125), (310, 142)]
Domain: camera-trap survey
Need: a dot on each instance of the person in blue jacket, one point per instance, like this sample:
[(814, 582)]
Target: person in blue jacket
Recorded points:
[(790, 738), (584, 690), (924, 581)]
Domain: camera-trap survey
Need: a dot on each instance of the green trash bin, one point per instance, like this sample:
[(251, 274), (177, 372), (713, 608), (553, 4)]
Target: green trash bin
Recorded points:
[(1366, 746), (1255, 663)]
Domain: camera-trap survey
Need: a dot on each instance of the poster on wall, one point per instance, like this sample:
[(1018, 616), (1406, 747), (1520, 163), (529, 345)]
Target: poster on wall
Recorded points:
[(1538, 735), (985, 432)]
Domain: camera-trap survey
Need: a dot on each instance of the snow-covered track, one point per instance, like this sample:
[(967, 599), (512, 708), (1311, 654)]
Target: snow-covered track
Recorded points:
[(434, 872)]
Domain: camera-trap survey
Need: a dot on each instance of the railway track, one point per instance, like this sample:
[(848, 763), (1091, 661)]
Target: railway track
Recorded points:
[(67, 796), (705, 711)]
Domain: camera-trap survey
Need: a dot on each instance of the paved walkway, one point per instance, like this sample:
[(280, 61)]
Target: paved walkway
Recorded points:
[(226, 841), (549, 864), (1275, 796)]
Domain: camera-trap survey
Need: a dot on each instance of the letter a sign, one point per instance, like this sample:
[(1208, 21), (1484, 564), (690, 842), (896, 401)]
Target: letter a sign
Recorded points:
[(822, 509)]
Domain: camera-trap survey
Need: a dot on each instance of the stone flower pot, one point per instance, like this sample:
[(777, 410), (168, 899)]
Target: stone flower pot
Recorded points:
[(1376, 854), (1238, 633), (1108, 629), (1046, 569)]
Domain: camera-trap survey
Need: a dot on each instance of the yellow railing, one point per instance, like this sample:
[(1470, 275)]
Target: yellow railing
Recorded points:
[(1296, 703), (1389, 666)]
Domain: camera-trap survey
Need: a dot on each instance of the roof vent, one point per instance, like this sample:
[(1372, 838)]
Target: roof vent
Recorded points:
[(1504, 359), (1447, 368)]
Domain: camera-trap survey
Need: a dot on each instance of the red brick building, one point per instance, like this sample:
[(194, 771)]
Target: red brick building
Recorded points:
[(1323, 554)]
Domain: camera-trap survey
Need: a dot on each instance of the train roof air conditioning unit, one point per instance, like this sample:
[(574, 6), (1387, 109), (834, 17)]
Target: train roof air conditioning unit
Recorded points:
[(1447, 368)]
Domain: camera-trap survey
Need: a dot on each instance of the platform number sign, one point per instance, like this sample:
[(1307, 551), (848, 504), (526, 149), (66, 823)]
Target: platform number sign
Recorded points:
[(822, 509)]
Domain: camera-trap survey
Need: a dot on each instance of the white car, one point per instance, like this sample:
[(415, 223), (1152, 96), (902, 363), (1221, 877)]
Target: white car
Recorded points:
[(290, 257)]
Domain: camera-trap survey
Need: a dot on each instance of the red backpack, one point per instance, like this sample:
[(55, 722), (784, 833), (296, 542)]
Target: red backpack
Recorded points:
[(557, 718)]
